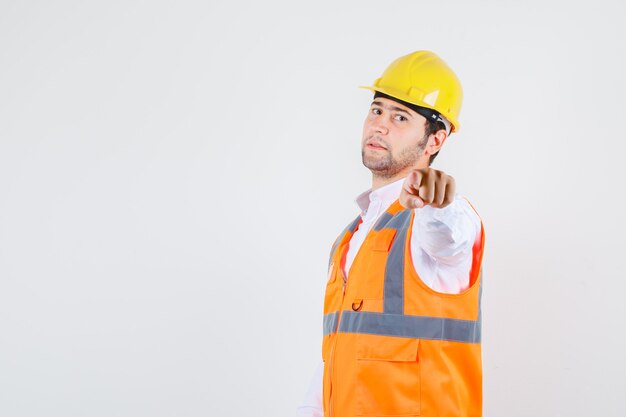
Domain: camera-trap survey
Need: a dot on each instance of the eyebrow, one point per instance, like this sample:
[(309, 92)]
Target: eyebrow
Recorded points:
[(393, 108)]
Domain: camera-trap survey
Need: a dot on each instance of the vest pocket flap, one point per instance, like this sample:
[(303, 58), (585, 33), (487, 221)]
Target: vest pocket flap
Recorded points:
[(386, 348), (383, 240)]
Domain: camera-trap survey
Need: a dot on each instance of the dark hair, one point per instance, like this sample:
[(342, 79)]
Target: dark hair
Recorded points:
[(432, 127)]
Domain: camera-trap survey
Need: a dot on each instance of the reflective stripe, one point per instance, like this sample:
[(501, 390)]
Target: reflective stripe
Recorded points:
[(399, 221), (419, 327), (391, 221), (330, 322), (382, 221), (394, 269), (349, 229)]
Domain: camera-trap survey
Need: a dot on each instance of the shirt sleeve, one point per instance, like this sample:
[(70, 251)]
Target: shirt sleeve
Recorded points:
[(312, 406), (441, 245)]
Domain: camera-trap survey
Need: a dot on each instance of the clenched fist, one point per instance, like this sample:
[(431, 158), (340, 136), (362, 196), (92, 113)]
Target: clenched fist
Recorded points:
[(427, 186)]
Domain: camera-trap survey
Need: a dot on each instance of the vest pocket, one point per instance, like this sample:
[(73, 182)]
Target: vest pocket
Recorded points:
[(388, 376), (370, 266), (334, 288)]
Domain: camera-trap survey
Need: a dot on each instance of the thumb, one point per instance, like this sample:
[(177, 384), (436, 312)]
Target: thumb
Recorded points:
[(415, 202), (409, 197)]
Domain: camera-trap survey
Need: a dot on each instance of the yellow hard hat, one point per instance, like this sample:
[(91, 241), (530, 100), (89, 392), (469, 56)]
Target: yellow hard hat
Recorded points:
[(423, 79)]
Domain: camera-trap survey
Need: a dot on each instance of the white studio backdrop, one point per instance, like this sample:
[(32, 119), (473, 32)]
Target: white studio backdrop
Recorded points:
[(172, 175)]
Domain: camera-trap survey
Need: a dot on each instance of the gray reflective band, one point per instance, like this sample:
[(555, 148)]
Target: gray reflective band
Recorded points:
[(349, 229), (330, 322), (400, 220), (418, 327), (382, 221), (394, 269)]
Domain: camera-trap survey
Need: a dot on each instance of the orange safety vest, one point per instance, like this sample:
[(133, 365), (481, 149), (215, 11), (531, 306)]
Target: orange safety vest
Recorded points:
[(392, 346)]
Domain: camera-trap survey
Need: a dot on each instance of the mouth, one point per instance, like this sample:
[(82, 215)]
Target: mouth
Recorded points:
[(375, 145)]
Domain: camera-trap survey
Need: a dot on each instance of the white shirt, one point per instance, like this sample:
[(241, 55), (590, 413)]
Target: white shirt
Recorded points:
[(441, 251)]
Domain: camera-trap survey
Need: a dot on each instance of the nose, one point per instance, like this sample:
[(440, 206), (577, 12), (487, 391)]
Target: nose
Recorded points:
[(380, 125)]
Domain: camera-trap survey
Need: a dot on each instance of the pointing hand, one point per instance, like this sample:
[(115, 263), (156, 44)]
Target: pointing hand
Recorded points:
[(427, 186)]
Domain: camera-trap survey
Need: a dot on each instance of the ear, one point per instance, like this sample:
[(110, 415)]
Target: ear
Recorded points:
[(435, 142)]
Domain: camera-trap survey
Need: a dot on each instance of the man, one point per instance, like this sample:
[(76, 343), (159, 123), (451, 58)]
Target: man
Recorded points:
[(402, 305)]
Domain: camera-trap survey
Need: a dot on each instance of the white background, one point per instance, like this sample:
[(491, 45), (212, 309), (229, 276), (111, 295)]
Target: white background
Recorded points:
[(172, 175)]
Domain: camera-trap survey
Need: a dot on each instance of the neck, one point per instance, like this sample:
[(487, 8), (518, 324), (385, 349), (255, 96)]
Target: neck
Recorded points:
[(379, 181)]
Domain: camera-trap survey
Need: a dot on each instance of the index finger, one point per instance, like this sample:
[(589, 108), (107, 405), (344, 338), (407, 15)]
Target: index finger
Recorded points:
[(413, 182)]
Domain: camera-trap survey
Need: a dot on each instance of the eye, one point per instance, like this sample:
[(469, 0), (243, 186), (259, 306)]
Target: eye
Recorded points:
[(376, 111), (400, 118)]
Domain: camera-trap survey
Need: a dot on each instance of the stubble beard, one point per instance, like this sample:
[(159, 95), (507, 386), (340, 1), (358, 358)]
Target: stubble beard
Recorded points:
[(385, 166)]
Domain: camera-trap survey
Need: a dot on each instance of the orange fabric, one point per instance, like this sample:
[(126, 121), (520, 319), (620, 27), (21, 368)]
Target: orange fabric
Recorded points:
[(368, 374)]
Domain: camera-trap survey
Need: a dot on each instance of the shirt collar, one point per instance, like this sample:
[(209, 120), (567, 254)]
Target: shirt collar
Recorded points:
[(386, 194)]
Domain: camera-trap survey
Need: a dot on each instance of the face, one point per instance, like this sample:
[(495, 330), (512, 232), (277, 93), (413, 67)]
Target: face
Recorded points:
[(393, 139)]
